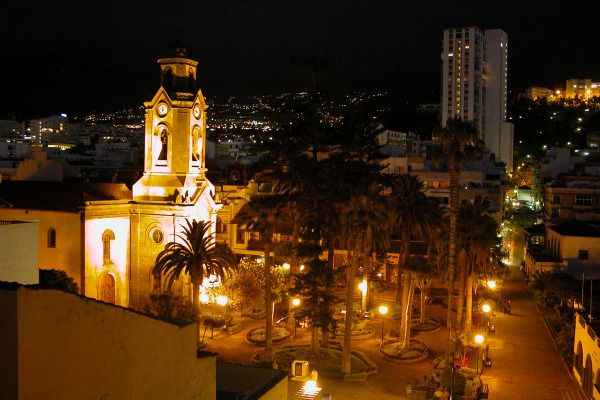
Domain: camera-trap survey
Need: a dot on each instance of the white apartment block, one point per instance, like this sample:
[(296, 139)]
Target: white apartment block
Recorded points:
[(474, 85), (50, 129)]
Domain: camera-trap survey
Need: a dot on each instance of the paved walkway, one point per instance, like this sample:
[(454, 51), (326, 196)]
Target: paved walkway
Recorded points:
[(526, 364)]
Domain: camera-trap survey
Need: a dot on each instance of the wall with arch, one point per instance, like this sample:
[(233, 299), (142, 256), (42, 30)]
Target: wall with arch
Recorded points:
[(107, 258), (586, 358)]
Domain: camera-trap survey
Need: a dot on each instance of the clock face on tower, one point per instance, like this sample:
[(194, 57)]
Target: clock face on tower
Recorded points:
[(162, 110), (197, 112)]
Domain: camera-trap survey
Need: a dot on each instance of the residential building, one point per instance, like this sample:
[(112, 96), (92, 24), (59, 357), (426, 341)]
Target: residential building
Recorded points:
[(536, 92), (572, 197), (581, 89), (18, 253), (572, 247), (50, 129), (11, 128), (474, 85)]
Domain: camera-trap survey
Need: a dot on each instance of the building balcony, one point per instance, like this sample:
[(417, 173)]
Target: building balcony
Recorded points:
[(583, 207)]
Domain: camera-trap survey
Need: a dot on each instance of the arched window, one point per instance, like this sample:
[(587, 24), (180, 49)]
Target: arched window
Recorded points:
[(107, 236), (579, 358), (107, 289), (588, 375), (191, 83), (51, 237), (164, 150), (196, 143), (168, 79), (221, 227)]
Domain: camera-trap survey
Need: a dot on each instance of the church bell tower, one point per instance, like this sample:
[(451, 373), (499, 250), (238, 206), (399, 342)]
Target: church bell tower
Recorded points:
[(175, 133)]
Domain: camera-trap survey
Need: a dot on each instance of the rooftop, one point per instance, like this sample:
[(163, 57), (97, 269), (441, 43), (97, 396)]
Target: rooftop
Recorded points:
[(59, 196)]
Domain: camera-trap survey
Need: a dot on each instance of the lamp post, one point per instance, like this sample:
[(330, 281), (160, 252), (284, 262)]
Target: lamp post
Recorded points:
[(296, 303), (363, 288), (479, 339), (382, 310), (452, 381)]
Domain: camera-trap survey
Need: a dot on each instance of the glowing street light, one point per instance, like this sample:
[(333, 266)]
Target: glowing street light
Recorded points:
[(363, 288), (491, 284), (479, 338), (222, 300), (296, 303), (382, 310)]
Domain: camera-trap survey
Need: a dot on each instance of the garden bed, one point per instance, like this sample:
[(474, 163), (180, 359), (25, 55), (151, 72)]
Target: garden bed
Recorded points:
[(432, 324), (257, 335), (255, 313), (360, 330), (231, 328), (417, 351)]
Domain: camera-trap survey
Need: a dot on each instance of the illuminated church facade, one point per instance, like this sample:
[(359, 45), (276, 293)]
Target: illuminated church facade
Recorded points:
[(107, 236), (123, 238)]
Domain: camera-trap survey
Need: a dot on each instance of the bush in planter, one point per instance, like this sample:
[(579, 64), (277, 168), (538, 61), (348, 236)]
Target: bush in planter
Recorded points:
[(459, 380), (254, 312), (214, 322)]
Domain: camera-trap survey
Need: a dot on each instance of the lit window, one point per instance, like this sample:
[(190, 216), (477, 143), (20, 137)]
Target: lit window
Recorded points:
[(450, 54)]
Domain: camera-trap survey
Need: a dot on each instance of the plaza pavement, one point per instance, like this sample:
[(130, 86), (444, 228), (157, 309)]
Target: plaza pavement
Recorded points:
[(526, 364)]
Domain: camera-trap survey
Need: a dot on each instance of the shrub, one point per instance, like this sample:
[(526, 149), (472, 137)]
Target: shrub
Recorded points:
[(57, 279), (459, 380)]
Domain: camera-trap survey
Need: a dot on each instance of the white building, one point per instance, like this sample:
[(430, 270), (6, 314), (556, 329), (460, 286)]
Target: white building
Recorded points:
[(50, 129), (474, 85), (19, 252)]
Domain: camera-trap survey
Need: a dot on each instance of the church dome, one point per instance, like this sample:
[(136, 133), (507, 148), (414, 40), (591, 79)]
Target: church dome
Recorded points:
[(177, 49)]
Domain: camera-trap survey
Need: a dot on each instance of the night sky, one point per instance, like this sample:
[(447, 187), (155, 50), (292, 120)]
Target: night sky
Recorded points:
[(83, 55)]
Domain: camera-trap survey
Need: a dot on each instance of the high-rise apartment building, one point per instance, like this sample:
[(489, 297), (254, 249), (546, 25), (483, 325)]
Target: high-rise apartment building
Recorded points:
[(474, 85)]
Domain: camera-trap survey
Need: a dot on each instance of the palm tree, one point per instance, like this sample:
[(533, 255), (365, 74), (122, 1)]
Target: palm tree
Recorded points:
[(456, 143), (415, 214), (477, 236), (197, 254), (365, 210), (264, 211)]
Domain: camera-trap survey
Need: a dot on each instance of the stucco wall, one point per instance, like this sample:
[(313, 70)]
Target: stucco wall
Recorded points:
[(8, 345), (19, 252), (70, 347), (278, 392), (66, 256)]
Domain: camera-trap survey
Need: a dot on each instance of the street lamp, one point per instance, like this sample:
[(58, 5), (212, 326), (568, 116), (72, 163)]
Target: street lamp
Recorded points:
[(363, 288), (486, 308), (491, 284), (222, 300), (382, 310), (296, 303), (479, 339)]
